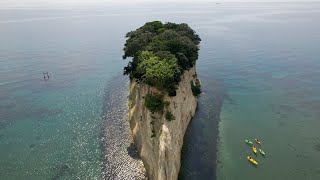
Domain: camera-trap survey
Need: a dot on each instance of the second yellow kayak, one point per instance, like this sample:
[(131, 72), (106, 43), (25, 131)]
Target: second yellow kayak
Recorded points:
[(254, 162), (254, 149)]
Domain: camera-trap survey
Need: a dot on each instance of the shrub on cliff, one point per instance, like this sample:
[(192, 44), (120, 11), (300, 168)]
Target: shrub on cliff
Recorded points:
[(160, 53), (154, 103), (196, 88), (170, 116)]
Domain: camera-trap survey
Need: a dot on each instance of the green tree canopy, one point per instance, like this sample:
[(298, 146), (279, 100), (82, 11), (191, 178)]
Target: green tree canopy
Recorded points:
[(157, 71), (160, 53)]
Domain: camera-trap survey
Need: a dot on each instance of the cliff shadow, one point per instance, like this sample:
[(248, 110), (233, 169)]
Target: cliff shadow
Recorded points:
[(199, 151), (132, 151)]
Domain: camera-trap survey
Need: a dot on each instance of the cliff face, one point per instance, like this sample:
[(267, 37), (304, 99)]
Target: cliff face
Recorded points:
[(160, 151)]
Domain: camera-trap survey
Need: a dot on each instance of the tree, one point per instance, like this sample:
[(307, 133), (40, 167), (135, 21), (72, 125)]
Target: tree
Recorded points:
[(160, 53), (157, 72)]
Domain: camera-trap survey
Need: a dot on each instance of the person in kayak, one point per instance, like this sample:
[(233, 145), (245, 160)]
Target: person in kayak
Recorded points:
[(254, 149), (250, 159)]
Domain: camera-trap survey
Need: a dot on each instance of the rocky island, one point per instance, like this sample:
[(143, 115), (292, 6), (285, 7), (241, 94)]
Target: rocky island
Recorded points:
[(164, 91)]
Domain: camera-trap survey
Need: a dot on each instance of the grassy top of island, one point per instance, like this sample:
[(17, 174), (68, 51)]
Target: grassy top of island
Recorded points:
[(160, 53)]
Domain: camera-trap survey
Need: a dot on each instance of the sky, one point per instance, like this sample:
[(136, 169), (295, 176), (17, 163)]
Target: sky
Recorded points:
[(23, 3)]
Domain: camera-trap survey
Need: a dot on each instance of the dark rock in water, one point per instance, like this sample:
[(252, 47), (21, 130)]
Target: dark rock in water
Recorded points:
[(317, 147), (32, 145), (64, 167), (38, 137), (60, 171)]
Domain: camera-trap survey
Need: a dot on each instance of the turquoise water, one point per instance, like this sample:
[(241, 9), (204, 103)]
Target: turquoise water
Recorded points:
[(262, 62), (259, 66), (52, 129), (269, 65)]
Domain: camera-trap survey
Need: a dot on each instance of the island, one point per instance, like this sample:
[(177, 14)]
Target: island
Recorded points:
[(164, 90)]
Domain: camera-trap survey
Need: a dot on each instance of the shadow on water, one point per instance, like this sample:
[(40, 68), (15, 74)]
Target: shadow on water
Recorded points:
[(120, 158), (132, 151), (199, 151)]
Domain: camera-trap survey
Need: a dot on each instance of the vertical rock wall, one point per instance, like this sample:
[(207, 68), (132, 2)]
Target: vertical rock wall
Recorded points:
[(161, 153)]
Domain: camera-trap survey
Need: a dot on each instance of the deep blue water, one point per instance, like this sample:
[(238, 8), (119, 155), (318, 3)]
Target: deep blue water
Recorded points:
[(259, 66)]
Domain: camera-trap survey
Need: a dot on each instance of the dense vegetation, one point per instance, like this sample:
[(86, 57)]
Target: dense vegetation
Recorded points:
[(160, 54), (155, 103), (170, 116), (196, 88)]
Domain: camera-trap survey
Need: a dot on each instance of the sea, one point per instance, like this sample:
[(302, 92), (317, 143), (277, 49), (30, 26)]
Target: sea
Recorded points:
[(259, 65)]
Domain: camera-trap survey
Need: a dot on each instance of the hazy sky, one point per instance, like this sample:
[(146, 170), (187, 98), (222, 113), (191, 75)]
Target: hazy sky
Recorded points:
[(9, 3)]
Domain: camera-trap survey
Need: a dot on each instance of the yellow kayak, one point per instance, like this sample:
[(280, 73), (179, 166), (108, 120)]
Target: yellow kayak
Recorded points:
[(254, 149), (252, 160)]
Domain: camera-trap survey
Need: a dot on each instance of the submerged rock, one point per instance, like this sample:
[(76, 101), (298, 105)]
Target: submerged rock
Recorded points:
[(317, 147)]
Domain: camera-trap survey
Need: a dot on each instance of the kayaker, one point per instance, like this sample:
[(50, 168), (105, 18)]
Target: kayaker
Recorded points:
[(254, 149), (252, 160)]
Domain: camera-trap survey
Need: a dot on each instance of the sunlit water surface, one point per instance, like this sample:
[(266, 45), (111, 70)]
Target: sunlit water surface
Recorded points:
[(259, 67)]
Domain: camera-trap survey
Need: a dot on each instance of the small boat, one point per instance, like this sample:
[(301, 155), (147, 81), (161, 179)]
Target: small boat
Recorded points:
[(262, 152), (254, 149), (257, 141), (248, 142), (254, 162)]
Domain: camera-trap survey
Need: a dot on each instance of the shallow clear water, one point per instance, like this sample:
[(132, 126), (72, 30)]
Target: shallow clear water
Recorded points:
[(53, 129), (259, 66)]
